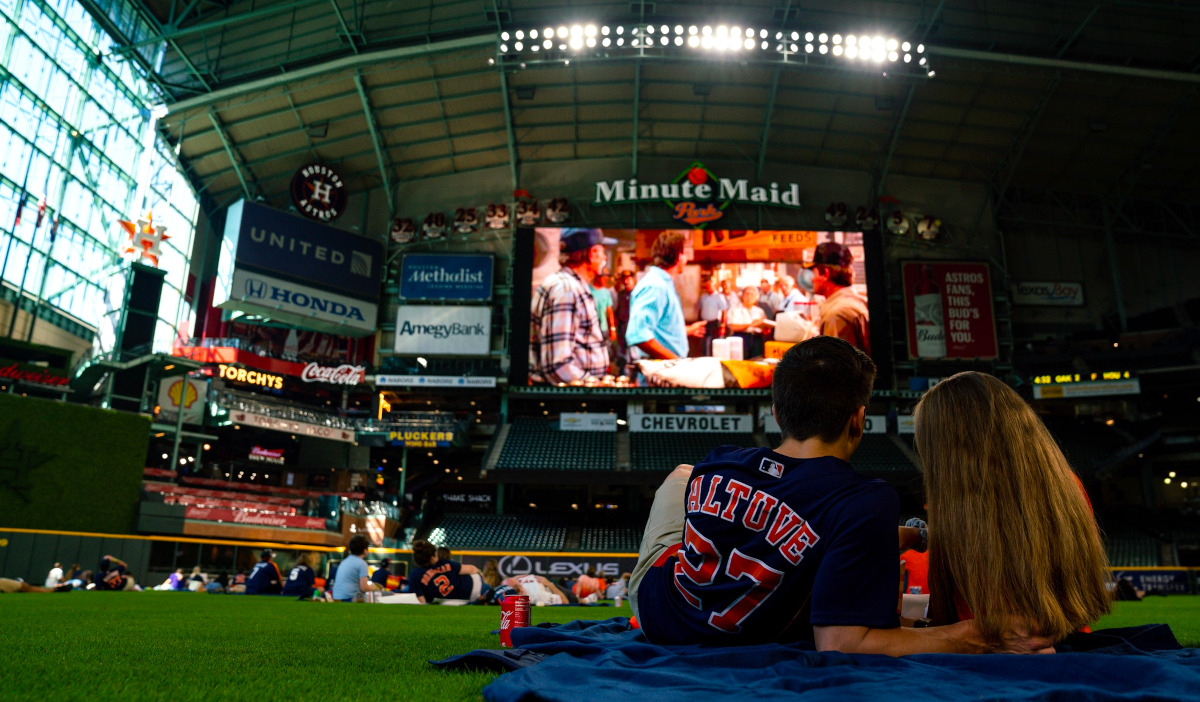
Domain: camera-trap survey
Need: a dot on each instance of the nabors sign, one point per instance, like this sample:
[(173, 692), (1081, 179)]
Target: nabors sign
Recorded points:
[(697, 195), (344, 374)]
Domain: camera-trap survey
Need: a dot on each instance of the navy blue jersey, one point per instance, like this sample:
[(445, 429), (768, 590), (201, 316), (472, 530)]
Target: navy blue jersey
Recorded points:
[(264, 579), (442, 581), (380, 576), (300, 582), (773, 545)]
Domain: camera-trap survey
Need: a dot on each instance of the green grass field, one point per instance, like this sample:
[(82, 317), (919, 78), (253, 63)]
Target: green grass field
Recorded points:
[(183, 646)]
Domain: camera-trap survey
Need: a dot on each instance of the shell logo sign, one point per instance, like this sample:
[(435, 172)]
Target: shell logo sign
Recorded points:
[(177, 388)]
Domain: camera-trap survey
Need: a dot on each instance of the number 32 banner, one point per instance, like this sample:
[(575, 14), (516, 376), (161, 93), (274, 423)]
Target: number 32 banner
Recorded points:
[(948, 309)]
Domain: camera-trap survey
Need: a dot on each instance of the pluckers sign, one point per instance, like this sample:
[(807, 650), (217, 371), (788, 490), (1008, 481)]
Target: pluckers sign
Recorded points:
[(697, 196)]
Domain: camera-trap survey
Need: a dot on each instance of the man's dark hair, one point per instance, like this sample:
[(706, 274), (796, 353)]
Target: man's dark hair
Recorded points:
[(667, 248), (423, 552), (358, 545), (818, 384)]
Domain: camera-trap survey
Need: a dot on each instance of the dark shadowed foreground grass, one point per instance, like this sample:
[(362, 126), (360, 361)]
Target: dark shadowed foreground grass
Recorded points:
[(184, 646)]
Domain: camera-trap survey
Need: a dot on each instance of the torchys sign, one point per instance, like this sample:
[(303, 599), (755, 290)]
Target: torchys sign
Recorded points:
[(697, 195)]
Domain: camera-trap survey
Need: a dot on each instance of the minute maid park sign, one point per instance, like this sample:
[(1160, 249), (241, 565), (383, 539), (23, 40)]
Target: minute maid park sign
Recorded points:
[(697, 195)]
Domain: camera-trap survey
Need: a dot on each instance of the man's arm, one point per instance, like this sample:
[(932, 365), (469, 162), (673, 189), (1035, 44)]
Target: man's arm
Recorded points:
[(612, 323), (960, 637), (655, 349), (365, 584)]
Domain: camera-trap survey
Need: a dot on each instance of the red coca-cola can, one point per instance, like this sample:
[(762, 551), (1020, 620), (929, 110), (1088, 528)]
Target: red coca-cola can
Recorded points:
[(514, 612)]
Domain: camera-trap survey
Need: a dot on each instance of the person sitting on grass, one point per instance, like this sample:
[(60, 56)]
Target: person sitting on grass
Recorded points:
[(588, 588), (760, 545), (380, 576), (265, 578), (434, 578), (537, 588), (351, 579), (301, 579), (112, 574), (1000, 491)]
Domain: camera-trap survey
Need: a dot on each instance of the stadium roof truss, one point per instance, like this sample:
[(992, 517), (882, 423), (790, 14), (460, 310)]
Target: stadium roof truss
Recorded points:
[(1021, 93)]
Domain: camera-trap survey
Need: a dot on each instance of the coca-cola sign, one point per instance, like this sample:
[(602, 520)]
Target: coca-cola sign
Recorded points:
[(344, 374)]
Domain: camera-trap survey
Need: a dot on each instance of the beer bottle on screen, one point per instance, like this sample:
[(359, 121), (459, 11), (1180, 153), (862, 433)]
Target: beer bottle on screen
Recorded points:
[(927, 316)]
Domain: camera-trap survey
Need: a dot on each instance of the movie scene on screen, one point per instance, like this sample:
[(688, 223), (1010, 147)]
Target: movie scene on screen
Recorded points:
[(688, 308)]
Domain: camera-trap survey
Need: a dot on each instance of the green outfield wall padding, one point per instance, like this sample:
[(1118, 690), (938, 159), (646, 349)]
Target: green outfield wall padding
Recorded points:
[(70, 467)]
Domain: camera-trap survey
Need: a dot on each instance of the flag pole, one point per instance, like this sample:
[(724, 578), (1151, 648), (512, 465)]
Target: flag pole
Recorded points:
[(13, 235), (62, 194)]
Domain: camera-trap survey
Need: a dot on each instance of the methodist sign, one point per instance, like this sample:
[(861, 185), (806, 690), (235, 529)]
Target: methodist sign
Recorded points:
[(697, 196), (465, 277), (720, 423), (450, 331)]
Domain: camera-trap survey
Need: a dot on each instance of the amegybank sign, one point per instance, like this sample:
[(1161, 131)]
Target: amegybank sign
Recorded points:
[(451, 331)]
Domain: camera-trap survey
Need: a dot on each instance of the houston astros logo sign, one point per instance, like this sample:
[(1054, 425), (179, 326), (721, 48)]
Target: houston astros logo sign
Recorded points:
[(319, 192)]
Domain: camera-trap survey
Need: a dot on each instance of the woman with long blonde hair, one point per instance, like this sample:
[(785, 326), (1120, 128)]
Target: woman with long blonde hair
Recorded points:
[(1011, 532)]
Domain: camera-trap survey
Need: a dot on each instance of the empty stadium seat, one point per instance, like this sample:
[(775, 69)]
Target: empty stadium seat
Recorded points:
[(537, 444), (662, 451), (500, 532)]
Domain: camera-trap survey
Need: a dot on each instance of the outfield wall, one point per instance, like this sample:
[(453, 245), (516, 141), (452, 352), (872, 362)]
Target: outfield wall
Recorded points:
[(70, 467)]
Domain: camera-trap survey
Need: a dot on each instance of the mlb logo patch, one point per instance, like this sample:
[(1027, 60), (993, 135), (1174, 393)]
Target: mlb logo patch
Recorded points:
[(771, 468)]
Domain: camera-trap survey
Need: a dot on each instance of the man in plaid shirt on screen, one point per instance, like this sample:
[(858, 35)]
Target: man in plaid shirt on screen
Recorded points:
[(565, 341)]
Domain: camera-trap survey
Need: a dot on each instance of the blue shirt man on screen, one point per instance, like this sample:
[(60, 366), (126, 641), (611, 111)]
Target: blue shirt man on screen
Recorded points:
[(265, 578), (352, 572), (443, 580), (755, 545), (656, 328)]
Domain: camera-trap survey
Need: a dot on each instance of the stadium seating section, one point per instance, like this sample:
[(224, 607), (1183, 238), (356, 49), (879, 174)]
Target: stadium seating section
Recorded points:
[(506, 532), (661, 451), (536, 444), (612, 539)]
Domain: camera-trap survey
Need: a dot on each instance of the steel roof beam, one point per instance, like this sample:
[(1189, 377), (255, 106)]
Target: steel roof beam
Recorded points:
[(637, 110), (385, 165), (342, 64), (243, 17), (766, 123), (893, 140), (237, 169), (1062, 65)]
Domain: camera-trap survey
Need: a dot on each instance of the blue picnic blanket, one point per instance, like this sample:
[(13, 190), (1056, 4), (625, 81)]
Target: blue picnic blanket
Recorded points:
[(605, 660)]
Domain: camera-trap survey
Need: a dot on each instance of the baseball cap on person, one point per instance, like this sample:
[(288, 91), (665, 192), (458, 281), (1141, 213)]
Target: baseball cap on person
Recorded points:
[(580, 239), (267, 553), (385, 563), (831, 253)]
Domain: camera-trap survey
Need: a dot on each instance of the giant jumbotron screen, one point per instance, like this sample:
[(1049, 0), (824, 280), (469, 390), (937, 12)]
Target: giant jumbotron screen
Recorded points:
[(610, 317)]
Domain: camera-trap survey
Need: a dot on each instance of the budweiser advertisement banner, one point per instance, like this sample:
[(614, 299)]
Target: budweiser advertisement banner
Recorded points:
[(948, 308), (209, 514), (292, 427)]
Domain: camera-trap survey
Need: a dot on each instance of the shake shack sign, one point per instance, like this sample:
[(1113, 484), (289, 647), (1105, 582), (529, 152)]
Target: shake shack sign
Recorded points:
[(698, 196)]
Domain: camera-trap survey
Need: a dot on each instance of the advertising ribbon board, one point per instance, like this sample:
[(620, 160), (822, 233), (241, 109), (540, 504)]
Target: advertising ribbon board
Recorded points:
[(466, 277), (29, 373), (434, 381), (555, 565), (1161, 581), (211, 514), (722, 423), (1048, 294), (948, 306), (449, 331), (1099, 388), (290, 427), (587, 421)]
